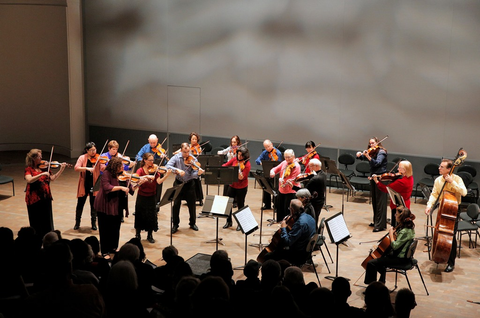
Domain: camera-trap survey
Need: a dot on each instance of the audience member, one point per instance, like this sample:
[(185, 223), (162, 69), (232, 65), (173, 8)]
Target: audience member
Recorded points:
[(211, 298), (341, 291), (377, 301), (404, 303), (320, 302), (82, 256)]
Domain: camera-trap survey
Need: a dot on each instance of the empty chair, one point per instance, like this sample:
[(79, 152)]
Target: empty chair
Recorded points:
[(404, 268), (345, 159), (431, 169), (309, 249), (360, 180), (7, 179)]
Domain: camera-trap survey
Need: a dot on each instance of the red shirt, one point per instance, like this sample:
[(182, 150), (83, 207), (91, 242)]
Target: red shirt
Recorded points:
[(240, 184), (38, 190), (148, 188), (404, 186)]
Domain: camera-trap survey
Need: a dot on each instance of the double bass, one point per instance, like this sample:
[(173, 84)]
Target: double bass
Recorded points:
[(446, 218)]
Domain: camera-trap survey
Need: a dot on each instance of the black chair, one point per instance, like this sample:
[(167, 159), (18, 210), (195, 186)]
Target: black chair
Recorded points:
[(430, 169), (473, 186), (468, 222), (7, 179), (360, 179), (206, 148), (403, 269), (345, 159), (472, 214), (309, 249)]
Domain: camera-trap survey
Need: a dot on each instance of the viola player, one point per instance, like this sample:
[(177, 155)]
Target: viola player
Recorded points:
[(453, 183), (288, 170), (269, 154), (89, 170), (186, 174), (377, 158), (403, 184)]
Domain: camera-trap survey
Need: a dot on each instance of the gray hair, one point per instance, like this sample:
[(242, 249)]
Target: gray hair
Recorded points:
[(304, 193)]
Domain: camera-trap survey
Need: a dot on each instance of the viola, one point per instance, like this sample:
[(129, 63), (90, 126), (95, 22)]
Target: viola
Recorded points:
[(53, 165), (273, 155), (155, 168), (372, 151), (160, 151), (134, 178), (289, 170), (191, 162)]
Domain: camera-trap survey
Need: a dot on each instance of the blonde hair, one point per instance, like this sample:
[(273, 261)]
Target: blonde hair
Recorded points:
[(408, 167), (31, 156)]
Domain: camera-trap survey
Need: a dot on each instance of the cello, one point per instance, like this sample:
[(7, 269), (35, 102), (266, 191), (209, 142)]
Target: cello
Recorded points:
[(384, 246), (446, 218), (276, 241)]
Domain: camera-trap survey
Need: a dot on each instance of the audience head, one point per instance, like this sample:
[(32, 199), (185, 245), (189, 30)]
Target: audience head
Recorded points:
[(122, 278), (251, 269), (377, 299), (323, 298), (169, 253), (49, 238), (6, 235), (81, 252), (136, 241), (271, 272), (293, 277), (128, 252), (94, 244), (404, 302), (341, 289)]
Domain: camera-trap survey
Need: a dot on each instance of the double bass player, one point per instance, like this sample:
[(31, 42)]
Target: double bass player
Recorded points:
[(454, 184)]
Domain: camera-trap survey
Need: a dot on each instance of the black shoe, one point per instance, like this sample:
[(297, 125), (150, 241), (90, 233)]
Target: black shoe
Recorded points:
[(174, 229), (227, 225), (194, 227), (150, 239), (449, 268), (137, 236), (378, 230), (371, 225), (266, 208), (235, 205), (77, 226), (94, 227), (238, 228)]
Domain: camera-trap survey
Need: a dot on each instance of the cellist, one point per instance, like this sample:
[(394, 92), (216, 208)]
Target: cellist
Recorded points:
[(400, 237), (454, 184)]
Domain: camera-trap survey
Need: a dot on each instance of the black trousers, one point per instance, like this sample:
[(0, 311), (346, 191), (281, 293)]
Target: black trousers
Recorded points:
[(188, 194), (238, 195), (380, 265), (81, 203), (283, 205), (40, 216), (379, 205), (109, 230)]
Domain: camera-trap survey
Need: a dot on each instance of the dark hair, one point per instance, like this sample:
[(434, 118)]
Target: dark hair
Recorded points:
[(113, 165), (406, 218), (193, 134), (94, 243), (237, 139), (245, 152), (309, 144), (89, 146), (145, 157)]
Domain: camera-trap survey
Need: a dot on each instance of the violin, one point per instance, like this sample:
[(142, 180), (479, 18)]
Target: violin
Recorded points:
[(103, 159), (158, 150), (134, 178), (371, 151), (388, 176), (273, 155), (53, 165), (155, 168), (94, 158), (241, 165), (305, 176)]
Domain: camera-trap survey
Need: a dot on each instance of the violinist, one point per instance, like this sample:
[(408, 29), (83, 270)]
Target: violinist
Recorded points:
[(294, 238), (238, 189), (311, 154), (231, 151), (288, 170), (403, 184), (38, 194), (145, 211), (454, 184), (110, 202), (269, 154), (317, 184), (155, 149), (113, 152), (89, 172), (186, 174), (377, 158), (400, 238)]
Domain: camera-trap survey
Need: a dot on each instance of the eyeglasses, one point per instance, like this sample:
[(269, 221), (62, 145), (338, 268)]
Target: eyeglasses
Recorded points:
[(150, 160)]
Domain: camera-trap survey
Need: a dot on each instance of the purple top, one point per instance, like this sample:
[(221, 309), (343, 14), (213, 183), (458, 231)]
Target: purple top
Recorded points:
[(108, 201)]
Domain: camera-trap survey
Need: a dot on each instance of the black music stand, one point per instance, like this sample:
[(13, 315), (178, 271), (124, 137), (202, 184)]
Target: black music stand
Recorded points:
[(350, 187), (220, 175), (267, 188), (338, 232), (248, 225), (169, 197), (326, 163), (210, 160), (267, 165), (217, 206)]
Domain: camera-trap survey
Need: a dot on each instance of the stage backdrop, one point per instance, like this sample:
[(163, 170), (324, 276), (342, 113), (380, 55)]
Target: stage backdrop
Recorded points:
[(333, 71)]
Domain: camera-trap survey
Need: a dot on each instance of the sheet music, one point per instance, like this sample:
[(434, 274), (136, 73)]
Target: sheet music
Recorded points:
[(219, 204), (246, 219), (338, 228)]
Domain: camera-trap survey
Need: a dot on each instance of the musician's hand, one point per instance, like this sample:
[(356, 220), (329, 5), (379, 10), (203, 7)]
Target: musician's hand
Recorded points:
[(283, 224), (359, 154), (272, 174), (200, 171), (289, 182), (392, 229), (448, 178), (240, 176), (427, 210), (181, 172)]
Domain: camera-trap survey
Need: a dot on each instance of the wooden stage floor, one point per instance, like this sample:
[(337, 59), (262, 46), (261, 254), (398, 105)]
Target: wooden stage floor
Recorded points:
[(449, 292)]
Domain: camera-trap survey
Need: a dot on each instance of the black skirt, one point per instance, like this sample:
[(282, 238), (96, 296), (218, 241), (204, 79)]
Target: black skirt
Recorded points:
[(145, 213)]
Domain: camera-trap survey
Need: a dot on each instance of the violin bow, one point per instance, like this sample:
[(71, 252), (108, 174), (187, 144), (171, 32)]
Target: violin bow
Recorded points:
[(126, 145), (281, 142), (96, 162), (50, 161)]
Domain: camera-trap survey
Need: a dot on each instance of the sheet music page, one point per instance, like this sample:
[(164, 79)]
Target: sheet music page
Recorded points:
[(338, 228), (246, 219), (219, 204)]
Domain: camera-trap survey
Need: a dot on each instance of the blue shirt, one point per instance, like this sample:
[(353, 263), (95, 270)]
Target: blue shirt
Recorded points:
[(177, 162), (264, 156), (144, 150), (302, 231), (107, 154), (378, 165)]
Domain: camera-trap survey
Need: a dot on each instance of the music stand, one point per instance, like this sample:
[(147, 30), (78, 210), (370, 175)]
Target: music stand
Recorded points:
[(210, 160), (217, 206), (248, 225), (267, 188), (338, 232), (267, 165), (220, 175), (169, 197), (326, 162), (396, 198), (350, 187)]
